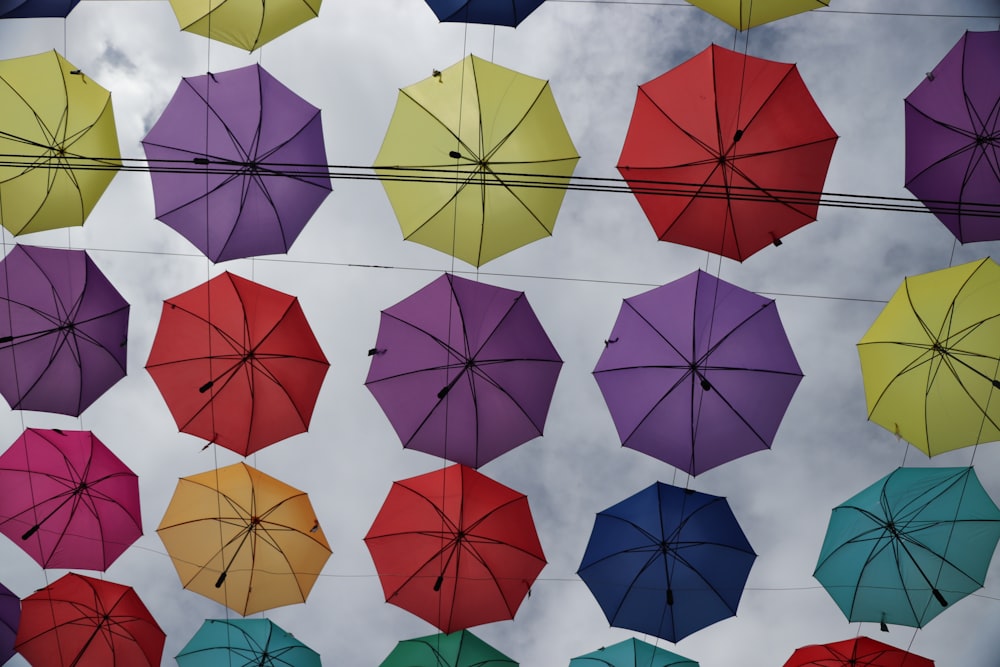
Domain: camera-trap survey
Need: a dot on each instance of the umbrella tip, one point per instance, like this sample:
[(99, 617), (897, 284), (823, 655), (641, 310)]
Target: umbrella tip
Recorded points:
[(996, 383), (930, 76), (205, 387), (436, 73), (438, 582), (221, 580), (373, 351), (31, 531), (939, 597), (609, 341), (670, 597), (882, 625), (775, 241)]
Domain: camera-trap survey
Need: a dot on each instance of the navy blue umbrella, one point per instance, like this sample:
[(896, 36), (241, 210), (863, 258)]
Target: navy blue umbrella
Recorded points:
[(489, 12), (667, 561), (30, 9)]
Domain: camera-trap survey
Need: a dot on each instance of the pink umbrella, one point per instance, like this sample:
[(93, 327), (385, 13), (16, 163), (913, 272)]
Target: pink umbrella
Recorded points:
[(67, 500)]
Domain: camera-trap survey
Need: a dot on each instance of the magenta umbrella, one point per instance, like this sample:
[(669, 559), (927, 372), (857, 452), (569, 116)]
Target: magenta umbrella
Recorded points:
[(953, 138), (463, 370), (697, 372), (238, 163), (63, 330), (67, 500)]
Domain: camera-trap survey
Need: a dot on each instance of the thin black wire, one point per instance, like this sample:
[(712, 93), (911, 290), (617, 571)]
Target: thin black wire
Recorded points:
[(509, 179)]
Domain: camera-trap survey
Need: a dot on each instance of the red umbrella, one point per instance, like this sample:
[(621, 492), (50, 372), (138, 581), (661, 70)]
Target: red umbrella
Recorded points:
[(67, 500), (82, 622), (727, 153), (857, 652), (455, 548), (237, 363)]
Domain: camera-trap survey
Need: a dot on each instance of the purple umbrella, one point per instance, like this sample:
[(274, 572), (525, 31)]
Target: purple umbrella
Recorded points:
[(953, 138), (697, 372), (63, 330), (238, 163), (463, 370), (67, 500), (10, 616)]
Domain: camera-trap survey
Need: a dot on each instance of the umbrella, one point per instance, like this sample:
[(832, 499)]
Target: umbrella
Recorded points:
[(953, 138), (455, 548), (489, 12), (67, 500), (10, 616), (905, 548), (59, 138), (463, 370), (244, 539), (245, 641), (857, 652), (727, 153), (459, 649), (667, 561), (476, 160), (247, 24), (237, 163), (931, 359), (63, 330), (745, 15), (631, 653), (27, 9), (77, 621), (237, 363), (697, 372)]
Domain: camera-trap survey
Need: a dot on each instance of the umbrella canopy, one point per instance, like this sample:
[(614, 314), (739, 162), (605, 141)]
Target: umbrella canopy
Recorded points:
[(10, 616), (489, 12), (745, 15), (246, 24), (237, 163), (455, 548), (697, 372), (727, 153), (857, 652), (459, 649), (63, 330), (667, 561), (58, 131), (77, 621), (245, 641), (237, 363), (27, 9), (931, 359), (463, 370), (475, 160), (904, 549), (631, 653), (244, 539), (68, 501), (953, 138)]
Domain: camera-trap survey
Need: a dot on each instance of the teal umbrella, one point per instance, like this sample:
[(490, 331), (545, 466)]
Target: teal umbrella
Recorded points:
[(245, 641), (458, 649), (909, 546), (631, 653)]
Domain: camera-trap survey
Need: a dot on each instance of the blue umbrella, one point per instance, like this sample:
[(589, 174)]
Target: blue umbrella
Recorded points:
[(10, 615), (667, 561), (489, 12), (245, 641), (29, 9), (631, 653)]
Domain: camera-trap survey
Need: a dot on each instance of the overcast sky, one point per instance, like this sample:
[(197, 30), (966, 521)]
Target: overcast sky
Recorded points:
[(828, 279)]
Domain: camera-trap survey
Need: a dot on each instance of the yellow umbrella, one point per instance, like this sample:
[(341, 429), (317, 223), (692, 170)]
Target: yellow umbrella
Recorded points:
[(247, 24), (243, 539), (476, 160), (931, 359), (58, 143), (745, 14)]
